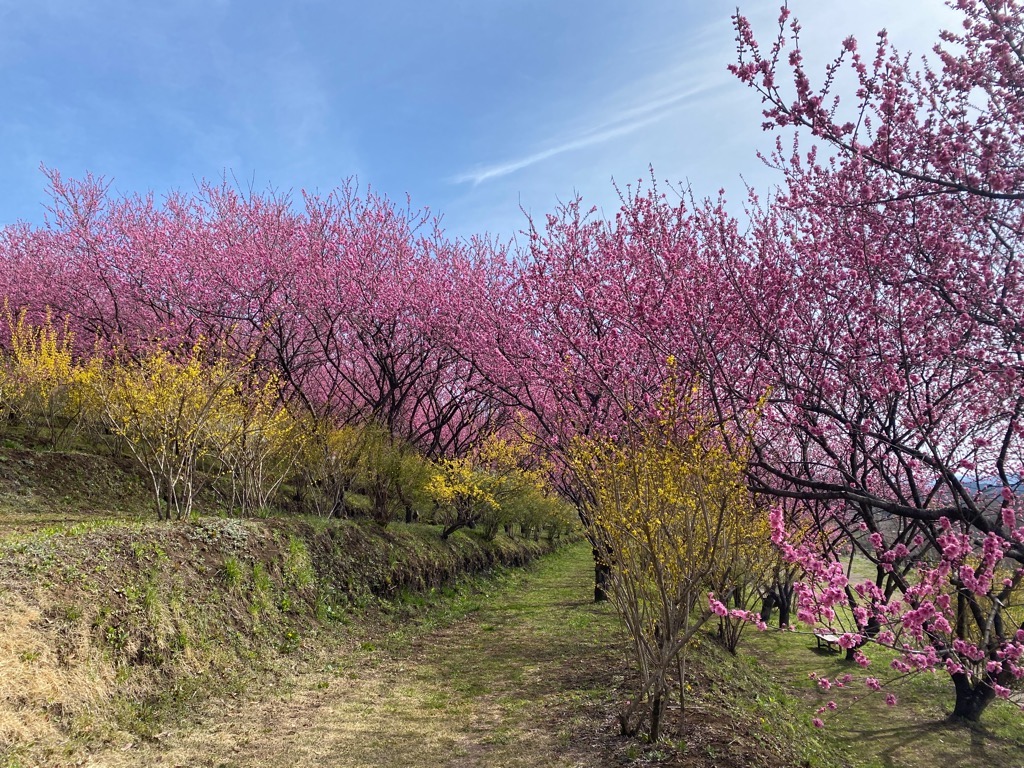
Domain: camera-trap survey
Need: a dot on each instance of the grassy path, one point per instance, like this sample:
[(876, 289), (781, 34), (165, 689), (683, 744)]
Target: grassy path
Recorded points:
[(506, 678)]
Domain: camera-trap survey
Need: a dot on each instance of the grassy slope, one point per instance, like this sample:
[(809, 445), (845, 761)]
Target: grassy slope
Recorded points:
[(519, 671), (40, 489), (504, 673)]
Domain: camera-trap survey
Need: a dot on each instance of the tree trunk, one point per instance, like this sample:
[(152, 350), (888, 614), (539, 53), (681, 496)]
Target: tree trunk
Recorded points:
[(601, 573), (448, 531), (657, 704), (870, 631), (971, 700), (767, 606), (784, 599)]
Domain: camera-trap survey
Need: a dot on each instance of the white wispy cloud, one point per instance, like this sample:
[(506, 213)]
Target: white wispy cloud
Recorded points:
[(628, 119)]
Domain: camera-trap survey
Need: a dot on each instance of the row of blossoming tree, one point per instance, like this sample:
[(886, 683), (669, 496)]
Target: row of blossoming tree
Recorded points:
[(196, 418), (851, 358), (895, 349)]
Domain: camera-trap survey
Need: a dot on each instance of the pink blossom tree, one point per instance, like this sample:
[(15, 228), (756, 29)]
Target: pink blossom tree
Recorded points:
[(896, 375)]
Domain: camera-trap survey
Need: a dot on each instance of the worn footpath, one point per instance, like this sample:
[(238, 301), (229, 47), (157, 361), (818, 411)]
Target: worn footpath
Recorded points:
[(516, 675)]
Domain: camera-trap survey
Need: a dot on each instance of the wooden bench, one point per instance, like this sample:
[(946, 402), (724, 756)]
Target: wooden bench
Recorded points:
[(827, 640)]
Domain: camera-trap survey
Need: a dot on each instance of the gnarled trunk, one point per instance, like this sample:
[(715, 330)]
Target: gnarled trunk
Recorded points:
[(779, 596), (971, 700)]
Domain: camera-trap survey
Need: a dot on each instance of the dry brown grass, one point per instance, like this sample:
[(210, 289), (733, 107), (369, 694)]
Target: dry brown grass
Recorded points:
[(39, 693)]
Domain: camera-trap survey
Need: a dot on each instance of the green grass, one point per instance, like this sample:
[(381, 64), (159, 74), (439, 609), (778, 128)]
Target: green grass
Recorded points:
[(43, 490), (870, 734)]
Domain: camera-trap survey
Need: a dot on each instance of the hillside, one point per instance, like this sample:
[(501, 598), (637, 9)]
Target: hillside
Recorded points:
[(230, 642)]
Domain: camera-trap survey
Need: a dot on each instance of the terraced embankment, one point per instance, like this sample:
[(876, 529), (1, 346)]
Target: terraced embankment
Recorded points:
[(517, 675), (110, 630)]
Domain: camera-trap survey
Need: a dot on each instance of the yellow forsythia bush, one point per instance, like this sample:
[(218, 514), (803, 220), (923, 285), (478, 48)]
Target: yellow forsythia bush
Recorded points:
[(42, 384), (256, 440), (166, 406), (672, 516)]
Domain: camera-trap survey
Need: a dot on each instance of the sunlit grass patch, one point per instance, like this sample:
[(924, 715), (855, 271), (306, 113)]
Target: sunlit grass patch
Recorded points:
[(913, 734)]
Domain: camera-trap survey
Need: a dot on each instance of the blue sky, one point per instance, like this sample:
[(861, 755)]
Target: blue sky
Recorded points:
[(474, 108)]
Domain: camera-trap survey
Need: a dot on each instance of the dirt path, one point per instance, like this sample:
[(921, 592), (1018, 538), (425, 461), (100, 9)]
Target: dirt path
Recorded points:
[(518, 680)]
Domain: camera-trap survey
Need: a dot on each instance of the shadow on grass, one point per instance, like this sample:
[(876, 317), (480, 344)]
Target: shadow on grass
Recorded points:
[(827, 653), (573, 604), (893, 746)]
